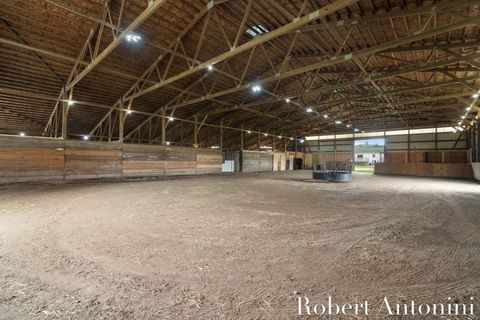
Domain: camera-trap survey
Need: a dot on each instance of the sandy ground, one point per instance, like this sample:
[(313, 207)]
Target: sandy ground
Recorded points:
[(235, 246)]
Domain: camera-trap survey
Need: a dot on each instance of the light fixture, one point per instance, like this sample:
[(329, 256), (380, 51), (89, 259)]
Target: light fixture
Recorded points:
[(265, 134), (302, 141), (70, 103), (167, 143), (248, 131), (475, 95), (129, 111), (349, 125), (22, 134), (287, 100), (279, 137), (469, 108), (170, 119), (309, 110), (463, 117), (215, 147), (256, 88), (356, 130), (132, 37), (291, 138), (210, 67), (459, 123), (85, 137), (325, 116), (338, 121)]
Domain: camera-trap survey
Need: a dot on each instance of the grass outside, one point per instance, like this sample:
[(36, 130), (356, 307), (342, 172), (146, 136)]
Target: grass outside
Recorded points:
[(364, 168)]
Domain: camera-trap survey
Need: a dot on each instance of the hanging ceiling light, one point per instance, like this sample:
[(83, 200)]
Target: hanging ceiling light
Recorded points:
[(210, 67), (256, 88), (22, 134), (132, 37), (85, 137), (129, 111), (325, 116), (70, 103), (170, 119), (309, 110), (338, 121)]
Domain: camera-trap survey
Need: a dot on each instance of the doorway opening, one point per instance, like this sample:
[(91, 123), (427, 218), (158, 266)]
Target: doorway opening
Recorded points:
[(368, 152)]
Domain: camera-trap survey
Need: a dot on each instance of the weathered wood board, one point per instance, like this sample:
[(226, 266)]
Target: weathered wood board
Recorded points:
[(256, 161), (28, 159)]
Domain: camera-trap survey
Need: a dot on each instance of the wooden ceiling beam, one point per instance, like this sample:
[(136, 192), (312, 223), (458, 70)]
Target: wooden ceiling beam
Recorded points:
[(354, 82), (336, 60), (328, 9), (151, 9)]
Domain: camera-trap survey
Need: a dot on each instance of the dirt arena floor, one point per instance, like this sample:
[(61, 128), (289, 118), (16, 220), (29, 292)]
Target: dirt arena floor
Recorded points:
[(234, 247)]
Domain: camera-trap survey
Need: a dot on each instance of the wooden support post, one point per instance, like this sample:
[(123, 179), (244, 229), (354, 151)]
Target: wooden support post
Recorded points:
[(65, 115), (64, 120), (121, 117), (164, 126), (150, 131), (241, 139), (259, 141), (181, 133), (318, 152), (408, 145), (384, 142), (221, 134), (195, 132), (353, 147), (335, 148), (110, 127), (273, 143)]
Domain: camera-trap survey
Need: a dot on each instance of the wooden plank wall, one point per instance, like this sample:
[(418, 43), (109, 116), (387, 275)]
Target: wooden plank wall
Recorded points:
[(150, 160), (442, 170), (427, 163), (209, 161), (428, 156), (256, 161), (92, 160), (24, 159), (29, 159)]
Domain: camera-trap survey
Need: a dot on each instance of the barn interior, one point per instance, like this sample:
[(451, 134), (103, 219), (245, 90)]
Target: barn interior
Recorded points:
[(156, 156)]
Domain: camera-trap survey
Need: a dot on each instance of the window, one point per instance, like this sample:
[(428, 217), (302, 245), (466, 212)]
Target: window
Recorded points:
[(256, 30), (373, 155), (359, 156)]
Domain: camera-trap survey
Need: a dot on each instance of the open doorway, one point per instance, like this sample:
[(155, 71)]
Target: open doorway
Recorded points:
[(368, 152)]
